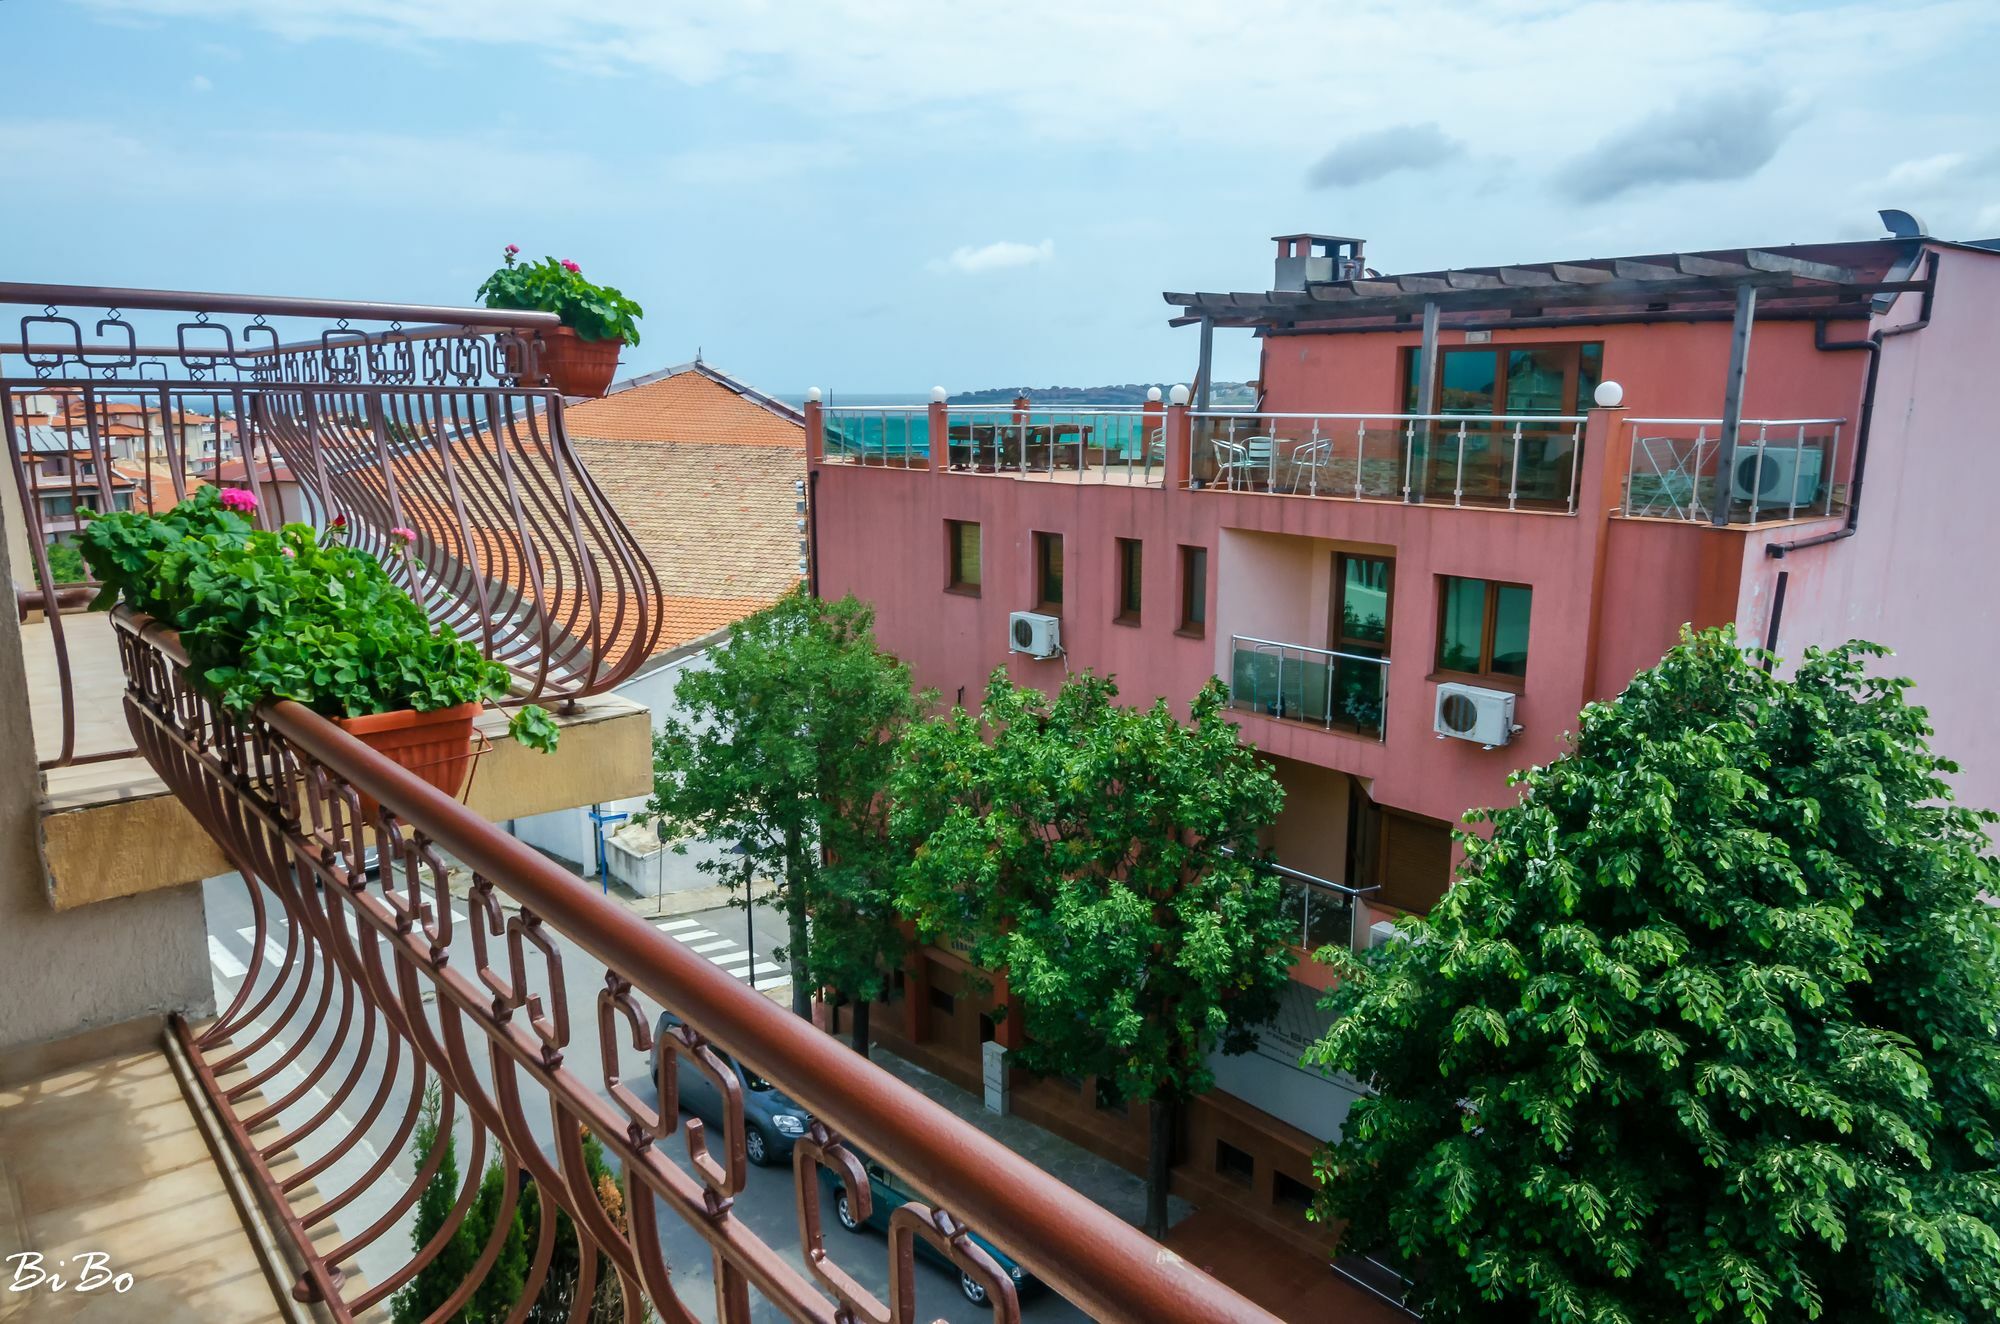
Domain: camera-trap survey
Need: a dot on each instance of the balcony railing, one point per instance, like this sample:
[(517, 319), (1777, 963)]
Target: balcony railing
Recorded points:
[(1508, 462), (1783, 468), (1106, 445), (1316, 686), (376, 973), (437, 428), (1329, 914)]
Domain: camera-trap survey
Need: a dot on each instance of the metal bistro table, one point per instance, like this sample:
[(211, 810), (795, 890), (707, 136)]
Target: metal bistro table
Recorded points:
[(994, 447)]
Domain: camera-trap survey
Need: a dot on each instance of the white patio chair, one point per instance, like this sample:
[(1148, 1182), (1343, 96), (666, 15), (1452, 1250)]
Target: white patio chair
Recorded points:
[(1239, 463)]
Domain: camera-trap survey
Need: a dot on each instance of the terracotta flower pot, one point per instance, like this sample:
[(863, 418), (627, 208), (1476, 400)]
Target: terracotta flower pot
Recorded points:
[(436, 746), (576, 366)]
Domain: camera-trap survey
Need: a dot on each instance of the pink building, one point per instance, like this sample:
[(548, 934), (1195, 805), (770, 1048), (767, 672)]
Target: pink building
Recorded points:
[(1467, 503)]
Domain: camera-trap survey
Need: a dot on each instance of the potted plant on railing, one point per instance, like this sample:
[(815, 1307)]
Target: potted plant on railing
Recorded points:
[(580, 357), (298, 614)]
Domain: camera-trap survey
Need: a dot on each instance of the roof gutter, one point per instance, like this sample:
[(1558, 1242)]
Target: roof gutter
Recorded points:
[(1873, 346)]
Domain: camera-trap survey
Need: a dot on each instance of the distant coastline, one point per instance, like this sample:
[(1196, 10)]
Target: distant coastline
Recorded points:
[(1226, 394)]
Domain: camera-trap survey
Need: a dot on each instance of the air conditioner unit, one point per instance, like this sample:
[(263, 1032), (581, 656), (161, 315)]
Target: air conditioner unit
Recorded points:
[(1475, 713), (1770, 475), (1383, 932), (1033, 633)]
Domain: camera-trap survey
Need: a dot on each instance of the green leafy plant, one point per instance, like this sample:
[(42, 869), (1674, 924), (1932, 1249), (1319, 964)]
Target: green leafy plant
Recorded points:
[(783, 746), (66, 564), (1709, 1029), (1106, 858), (291, 614), (593, 311)]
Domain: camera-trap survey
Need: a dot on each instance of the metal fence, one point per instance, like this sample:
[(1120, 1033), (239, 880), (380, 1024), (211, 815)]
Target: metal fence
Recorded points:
[(1512, 462), (1782, 468), (1317, 686), (434, 429), (362, 970)]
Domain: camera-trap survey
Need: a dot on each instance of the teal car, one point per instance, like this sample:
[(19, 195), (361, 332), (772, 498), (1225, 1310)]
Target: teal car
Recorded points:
[(885, 1197)]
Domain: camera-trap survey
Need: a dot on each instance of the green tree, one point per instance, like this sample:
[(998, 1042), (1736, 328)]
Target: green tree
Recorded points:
[(1105, 856), (66, 564), (437, 1280), (783, 744), (1706, 1030)]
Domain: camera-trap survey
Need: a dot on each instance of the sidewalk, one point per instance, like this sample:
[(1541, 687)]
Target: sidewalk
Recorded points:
[(1123, 1193), (1290, 1283)]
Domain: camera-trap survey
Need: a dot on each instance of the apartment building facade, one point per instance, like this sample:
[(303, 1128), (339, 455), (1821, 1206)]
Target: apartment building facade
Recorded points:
[(1468, 503)]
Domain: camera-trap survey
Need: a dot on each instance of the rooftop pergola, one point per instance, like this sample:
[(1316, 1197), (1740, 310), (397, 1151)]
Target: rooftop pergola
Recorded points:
[(1823, 282), (1820, 280)]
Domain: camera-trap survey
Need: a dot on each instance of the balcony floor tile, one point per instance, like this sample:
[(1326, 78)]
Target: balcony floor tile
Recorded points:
[(108, 1157)]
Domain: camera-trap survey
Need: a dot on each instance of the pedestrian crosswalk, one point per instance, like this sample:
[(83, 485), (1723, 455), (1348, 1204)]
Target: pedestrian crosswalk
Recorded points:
[(725, 953), (230, 966)]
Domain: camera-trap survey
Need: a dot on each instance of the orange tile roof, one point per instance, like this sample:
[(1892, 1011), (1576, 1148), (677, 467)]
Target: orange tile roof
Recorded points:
[(692, 403)]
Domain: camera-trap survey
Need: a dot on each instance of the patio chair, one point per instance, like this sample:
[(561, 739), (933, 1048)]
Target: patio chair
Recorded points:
[(1310, 467), (1239, 463)]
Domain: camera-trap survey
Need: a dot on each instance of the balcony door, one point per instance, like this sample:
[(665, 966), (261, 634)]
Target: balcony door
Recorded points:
[(1476, 462)]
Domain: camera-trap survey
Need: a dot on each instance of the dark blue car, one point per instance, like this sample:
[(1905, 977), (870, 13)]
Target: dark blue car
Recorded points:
[(885, 1196), (772, 1121)]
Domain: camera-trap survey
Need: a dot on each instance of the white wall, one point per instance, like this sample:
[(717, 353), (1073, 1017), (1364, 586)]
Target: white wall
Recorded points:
[(1269, 1077), (569, 834)]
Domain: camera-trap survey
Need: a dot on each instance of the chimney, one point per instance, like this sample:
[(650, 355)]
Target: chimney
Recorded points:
[(1316, 259)]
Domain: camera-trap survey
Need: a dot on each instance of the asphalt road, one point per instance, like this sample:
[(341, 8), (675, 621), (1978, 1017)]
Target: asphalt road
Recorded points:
[(766, 1205)]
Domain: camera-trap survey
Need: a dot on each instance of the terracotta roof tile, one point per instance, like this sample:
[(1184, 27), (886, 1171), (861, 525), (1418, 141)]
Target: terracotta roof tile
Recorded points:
[(684, 405)]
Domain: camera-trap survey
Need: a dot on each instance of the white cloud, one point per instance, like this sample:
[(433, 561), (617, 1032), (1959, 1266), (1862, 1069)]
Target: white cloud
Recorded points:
[(996, 256), (1924, 172), (1187, 69), (200, 83)]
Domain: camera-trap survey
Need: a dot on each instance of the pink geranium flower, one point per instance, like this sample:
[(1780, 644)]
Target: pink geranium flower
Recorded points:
[(237, 498), (513, 249), (570, 266), (401, 534)]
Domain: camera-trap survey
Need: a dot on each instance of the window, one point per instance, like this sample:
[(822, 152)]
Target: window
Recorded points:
[(961, 544), (1415, 861), (1234, 1163), (1288, 1192), (1509, 379), (1483, 627), (1361, 587), (1049, 572), (1194, 590), (1130, 556)]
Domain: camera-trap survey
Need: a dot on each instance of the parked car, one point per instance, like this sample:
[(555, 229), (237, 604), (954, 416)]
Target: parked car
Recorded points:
[(886, 1194), (772, 1120)]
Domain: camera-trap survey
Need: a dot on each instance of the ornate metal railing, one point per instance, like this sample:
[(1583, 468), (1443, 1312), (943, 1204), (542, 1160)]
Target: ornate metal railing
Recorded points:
[(365, 974), (393, 417)]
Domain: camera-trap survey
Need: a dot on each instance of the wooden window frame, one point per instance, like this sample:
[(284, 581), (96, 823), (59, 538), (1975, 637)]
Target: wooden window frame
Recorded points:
[(1572, 371), (1189, 628), (954, 564), (1489, 620), (1042, 543), (1341, 643), (1133, 549)]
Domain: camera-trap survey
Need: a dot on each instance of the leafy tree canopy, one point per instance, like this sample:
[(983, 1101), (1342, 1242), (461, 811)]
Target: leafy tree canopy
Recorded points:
[(783, 745), (1707, 1029), (1105, 856)]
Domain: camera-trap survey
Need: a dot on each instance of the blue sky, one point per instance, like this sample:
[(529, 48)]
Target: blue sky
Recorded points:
[(887, 194)]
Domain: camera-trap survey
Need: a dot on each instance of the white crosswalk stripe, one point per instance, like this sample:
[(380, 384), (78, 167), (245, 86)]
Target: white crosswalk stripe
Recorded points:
[(725, 953), (223, 960)]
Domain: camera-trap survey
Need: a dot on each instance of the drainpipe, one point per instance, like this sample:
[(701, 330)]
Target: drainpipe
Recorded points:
[(1873, 346)]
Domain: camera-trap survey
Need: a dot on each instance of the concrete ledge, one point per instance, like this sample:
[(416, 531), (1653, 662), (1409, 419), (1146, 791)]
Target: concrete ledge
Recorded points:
[(124, 847), (606, 753), (126, 835)]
